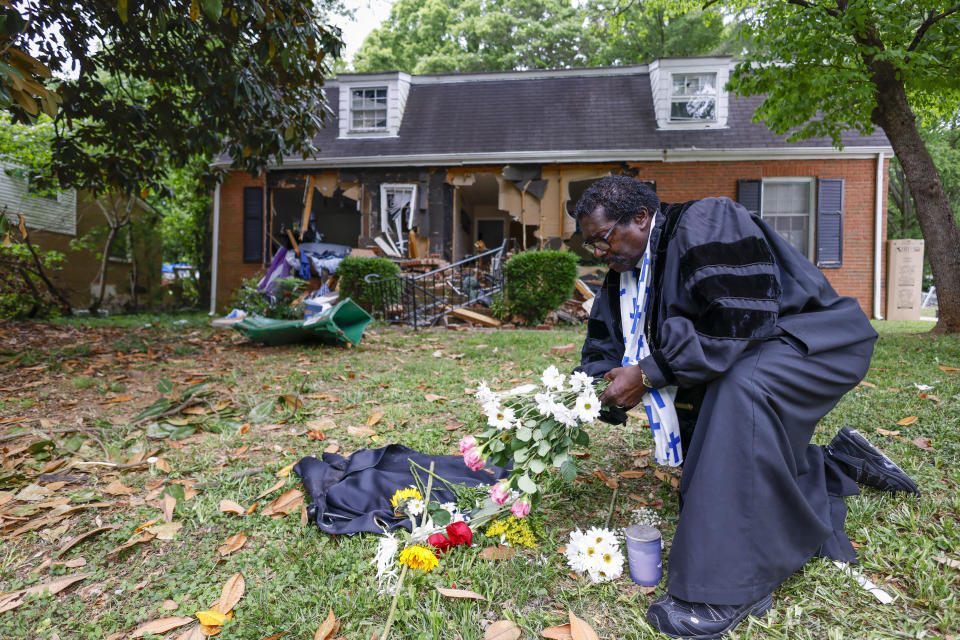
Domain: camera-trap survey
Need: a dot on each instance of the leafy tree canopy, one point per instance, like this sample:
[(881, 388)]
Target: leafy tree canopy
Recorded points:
[(149, 84)]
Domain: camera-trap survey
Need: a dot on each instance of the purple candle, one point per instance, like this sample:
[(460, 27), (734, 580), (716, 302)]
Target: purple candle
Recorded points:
[(644, 555)]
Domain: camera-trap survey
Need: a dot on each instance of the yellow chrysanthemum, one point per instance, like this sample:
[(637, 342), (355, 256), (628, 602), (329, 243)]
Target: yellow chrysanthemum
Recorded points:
[(404, 494), (516, 531), (419, 557)]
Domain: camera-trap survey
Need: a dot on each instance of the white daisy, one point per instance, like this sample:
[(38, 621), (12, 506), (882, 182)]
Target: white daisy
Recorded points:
[(544, 404), (415, 507), (608, 565), (565, 416), (501, 419), (601, 536), (552, 378), (484, 394), (588, 406), (580, 380)]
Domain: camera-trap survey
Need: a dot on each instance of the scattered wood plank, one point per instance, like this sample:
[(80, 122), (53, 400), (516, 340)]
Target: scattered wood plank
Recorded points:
[(473, 316)]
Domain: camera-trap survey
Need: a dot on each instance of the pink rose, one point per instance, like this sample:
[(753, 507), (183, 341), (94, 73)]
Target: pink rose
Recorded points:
[(473, 460), (500, 492), (467, 443), (520, 508)]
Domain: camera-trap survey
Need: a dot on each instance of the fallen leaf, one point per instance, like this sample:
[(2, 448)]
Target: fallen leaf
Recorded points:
[(432, 397), (564, 348), (14, 599), (304, 516), (361, 432), (229, 506), (116, 400), (146, 536), (170, 605), (239, 451), (285, 471), (162, 465), (157, 627), (316, 435), (146, 524), (646, 590), (274, 636), (923, 443), (374, 418), (271, 489), (950, 562), (886, 432), (233, 590), (949, 369), (286, 503), (903, 422), (69, 544), (329, 627), (189, 493), (211, 618), (117, 488), (166, 530), (332, 448), (855, 544), (502, 630), (321, 424), (452, 426), (580, 630), (610, 482), (559, 632), (498, 552), (34, 493), (928, 396), (252, 508), (231, 544), (169, 503), (460, 593), (632, 474)]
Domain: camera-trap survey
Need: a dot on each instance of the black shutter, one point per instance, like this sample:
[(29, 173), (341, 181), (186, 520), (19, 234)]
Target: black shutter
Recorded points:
[(650, 183), (830, 222), (252, 224), (748, 194)]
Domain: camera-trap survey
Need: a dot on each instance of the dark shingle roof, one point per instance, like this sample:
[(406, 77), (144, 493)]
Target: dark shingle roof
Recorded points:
[(565, 112)]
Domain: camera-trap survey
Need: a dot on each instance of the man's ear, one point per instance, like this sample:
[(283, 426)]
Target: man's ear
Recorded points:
[(643, 217)]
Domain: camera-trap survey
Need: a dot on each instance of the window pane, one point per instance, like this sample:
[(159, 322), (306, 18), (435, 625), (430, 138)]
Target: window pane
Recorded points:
[(697, 109), (793, 229), (786, 198)]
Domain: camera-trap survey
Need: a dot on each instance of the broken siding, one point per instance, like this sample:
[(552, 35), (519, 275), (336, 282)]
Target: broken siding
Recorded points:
[(56, 215)]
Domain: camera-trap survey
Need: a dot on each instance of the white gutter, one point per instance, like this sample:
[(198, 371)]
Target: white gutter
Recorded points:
[(574, 155), (216, 250), (878, 239)]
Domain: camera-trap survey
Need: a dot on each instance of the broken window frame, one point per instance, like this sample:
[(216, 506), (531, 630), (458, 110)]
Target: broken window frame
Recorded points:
[(391, 217), (701, 104), (364, 108)]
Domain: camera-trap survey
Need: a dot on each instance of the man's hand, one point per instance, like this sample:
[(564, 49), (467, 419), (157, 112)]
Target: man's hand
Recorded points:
[(626, 387)]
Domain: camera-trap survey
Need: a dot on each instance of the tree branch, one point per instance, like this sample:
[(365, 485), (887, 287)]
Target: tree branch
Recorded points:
[(811, 5), (929, 22)]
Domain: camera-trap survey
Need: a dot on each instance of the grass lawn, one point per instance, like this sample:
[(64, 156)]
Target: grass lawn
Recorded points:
[(255, 420)]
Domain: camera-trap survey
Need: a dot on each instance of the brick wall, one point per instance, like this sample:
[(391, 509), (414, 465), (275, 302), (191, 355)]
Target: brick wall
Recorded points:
[(682, 181), (231, 269)]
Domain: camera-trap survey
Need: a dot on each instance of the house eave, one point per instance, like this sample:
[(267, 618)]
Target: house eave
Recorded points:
[(581, 156)]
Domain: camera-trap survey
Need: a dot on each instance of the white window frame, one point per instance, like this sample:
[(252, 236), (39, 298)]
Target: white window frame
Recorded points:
[(681, 98), (355, 111), (811, 215), (411, 214)]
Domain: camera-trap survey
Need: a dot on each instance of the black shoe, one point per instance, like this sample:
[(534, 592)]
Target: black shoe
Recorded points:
[(681, 619), (864, 463)]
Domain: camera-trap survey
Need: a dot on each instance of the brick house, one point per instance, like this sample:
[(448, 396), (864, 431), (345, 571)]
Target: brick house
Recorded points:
[(457, 158)]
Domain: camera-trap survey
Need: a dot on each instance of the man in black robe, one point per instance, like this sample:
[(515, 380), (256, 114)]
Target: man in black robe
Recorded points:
[(760, 348)]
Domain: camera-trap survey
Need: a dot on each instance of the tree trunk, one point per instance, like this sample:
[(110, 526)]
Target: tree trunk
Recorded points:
[(54, 291), (934, 213), (104, 261), (133, 269)]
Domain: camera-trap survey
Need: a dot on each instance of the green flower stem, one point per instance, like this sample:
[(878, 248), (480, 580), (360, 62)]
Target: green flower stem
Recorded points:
[(426, 500), (393, 605)]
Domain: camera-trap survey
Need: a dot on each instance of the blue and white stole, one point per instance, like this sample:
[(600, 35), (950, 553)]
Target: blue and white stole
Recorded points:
[(658, 403)]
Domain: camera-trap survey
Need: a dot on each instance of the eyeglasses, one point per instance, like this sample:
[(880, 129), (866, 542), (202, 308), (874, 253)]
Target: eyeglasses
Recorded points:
[(601, 244)]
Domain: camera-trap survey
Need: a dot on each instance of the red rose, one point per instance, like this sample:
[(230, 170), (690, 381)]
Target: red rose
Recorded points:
[(458, 532)]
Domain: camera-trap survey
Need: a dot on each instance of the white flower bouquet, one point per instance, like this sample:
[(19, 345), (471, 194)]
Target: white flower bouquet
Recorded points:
[(533, 426)]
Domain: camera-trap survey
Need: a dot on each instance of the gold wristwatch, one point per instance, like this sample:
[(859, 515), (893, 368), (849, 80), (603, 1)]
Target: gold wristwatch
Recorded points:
[(645, 380)]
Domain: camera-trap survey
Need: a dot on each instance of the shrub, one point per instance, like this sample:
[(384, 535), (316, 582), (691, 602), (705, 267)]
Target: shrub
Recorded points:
[(352, 271), (248, 298), (537, 282)]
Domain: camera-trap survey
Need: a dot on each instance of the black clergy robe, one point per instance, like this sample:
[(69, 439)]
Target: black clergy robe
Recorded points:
[(761, 348)]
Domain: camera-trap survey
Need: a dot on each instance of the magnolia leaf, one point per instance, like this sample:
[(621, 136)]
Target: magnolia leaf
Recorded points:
[(949, 369), (460, 593), (229, 506), (146, 536), (502, 630), (525, 484), (161, 626), (262, 411), (498, 552), (13, 600), (887, 432), (231, 544), (69, 544), (165, 386), (165, 531), (559, 632), (194, 633), (170, 605), (630, 473), (903, 422), (361, 432), (285, 504), (332, 448), (117, 488), (432, 397), (374, 418), (169, 504), (950, 562), (211, 618), (283, 472), (279, 484), (923, 443), (329, 627), (162, 465), (233, 590), (580, 630)]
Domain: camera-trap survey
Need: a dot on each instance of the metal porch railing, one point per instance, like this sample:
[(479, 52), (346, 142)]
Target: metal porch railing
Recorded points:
[(424, 299)]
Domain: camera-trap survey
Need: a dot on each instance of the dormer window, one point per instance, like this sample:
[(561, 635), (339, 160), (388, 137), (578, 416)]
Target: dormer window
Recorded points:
[(693, 97), (368, 109)]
